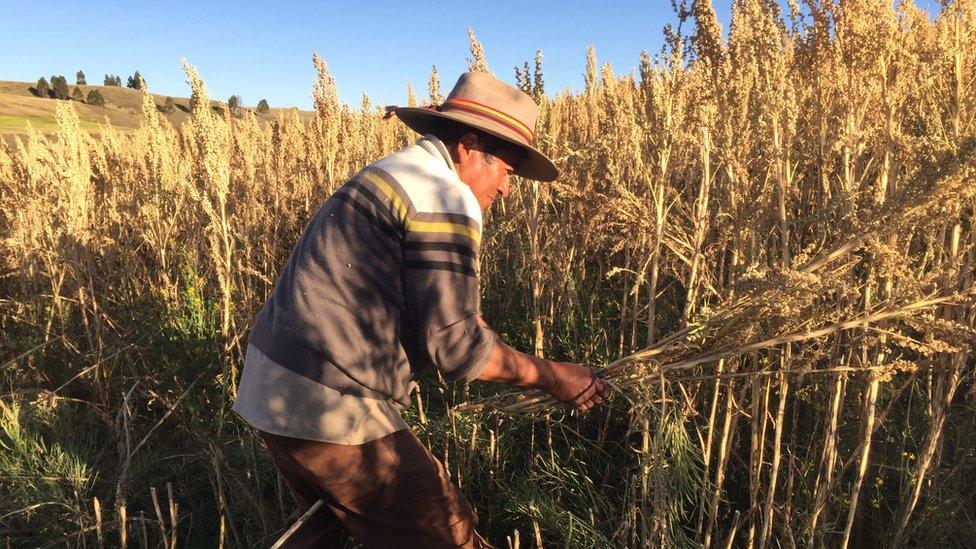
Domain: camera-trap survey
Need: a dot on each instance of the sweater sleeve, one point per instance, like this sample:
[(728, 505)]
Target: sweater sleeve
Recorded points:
[(443, 298)]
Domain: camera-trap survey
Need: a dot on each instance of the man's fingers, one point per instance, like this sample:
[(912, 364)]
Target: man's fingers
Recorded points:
[(587, 392), (595, 396), (594, 393), (600, 391)]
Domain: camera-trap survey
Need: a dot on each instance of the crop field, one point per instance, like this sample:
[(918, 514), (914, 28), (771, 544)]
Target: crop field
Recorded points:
[(764, 238)]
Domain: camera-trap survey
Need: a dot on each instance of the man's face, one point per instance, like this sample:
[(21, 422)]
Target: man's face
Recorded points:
[(488, 174)]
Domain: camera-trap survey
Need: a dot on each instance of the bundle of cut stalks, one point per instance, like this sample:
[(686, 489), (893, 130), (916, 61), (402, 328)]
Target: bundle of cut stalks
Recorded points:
[(710, 341), (802, 305)]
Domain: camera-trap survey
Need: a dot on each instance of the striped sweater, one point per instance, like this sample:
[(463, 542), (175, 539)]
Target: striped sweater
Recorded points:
[(383, 283)]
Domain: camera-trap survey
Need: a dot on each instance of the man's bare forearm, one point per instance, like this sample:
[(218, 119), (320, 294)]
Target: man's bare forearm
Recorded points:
[(506, 365), (573, 384)]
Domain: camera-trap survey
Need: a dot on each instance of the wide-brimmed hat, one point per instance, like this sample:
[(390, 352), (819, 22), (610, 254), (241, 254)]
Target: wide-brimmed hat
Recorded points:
[(485, 103)]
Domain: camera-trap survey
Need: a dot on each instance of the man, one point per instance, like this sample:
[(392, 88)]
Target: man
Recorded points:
[(382, 284)]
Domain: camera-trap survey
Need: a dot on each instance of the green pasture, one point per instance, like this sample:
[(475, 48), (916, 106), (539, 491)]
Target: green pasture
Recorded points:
[(18, 124)]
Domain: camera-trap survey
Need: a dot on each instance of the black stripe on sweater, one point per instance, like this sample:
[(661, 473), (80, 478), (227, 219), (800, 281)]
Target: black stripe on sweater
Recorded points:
[(439, 266), (460, 249)]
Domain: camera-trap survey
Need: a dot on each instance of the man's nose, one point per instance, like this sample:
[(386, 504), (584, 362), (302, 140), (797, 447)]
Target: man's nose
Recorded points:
[(505, 188)]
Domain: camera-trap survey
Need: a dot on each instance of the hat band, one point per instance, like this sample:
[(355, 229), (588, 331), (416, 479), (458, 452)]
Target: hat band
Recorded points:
[(488, 113)]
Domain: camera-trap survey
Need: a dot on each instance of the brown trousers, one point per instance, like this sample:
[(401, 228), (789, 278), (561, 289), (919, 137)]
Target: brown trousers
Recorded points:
[(389, 493)]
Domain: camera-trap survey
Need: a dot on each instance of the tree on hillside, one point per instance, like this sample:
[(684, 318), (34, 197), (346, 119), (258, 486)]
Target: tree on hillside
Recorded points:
[(95, 98), (136, 82), (263, 106), (42, 89), (234, 102), (113, 80), (76, 95), (169, 105), (60, 86), (80, 78)]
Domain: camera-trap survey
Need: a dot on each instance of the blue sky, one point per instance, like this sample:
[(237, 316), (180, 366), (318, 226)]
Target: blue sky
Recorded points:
[(263, 49)]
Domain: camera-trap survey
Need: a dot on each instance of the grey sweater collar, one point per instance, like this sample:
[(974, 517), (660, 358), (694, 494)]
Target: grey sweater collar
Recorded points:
[(435, 146)]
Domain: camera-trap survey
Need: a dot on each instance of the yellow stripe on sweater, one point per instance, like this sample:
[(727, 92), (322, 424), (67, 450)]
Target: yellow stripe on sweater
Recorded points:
[(391, 194), (444, 227), (420, 226)]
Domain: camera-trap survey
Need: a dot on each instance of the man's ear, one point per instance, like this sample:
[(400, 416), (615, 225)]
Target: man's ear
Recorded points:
[(467, 144), (464, 148), (455, 151)]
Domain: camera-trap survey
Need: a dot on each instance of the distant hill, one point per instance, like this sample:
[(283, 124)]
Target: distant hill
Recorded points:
[(123, 107)]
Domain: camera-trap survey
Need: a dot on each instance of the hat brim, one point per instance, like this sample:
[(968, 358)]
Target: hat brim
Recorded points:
[(535, 165)]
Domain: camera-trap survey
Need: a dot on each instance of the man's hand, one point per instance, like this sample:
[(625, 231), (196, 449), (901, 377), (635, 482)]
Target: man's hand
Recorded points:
[(577, 386)]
